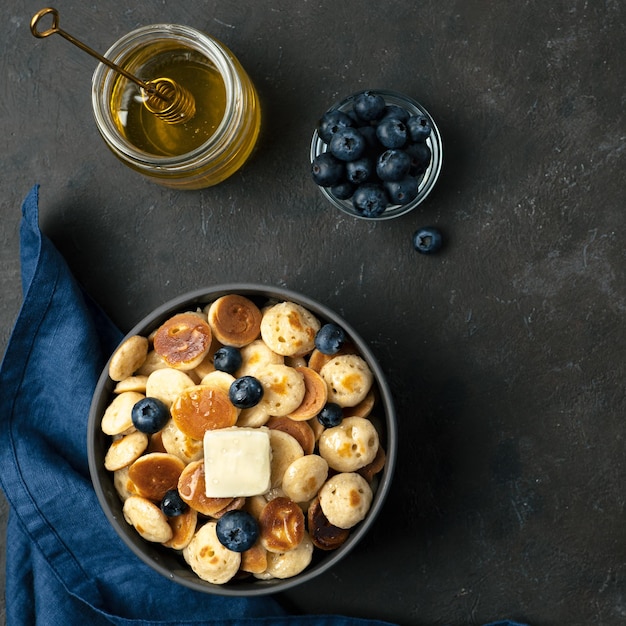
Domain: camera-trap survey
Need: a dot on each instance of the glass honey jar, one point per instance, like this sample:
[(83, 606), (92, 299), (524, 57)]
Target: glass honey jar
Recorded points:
[(209, 144)]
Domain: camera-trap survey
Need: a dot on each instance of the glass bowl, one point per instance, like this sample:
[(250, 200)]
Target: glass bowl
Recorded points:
[(170, 563), (430, 176)]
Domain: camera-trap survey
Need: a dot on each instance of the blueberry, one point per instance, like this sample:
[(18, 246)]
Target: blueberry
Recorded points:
[(427, 240), (347, 144), (326, 170), (331, 122), (172, 504), (420, 157), (402, 191), (343, 190), (396, 111), (392, 133), (393, 164), (359, 171), (370, 200), (245, 392), (369, 133), (330, 338), (419, 128), (149, 415), (227, 359), (237, 530), (369, 106), (331, 415)]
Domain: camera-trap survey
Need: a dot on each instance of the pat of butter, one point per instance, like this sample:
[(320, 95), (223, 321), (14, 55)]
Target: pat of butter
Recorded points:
[(237, 462)]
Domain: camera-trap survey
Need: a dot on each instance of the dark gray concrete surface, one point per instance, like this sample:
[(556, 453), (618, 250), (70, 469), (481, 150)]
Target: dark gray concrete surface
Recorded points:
[(505, 352)]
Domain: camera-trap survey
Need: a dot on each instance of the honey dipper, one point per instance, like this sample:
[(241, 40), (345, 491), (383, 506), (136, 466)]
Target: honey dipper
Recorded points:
[(168, 100)]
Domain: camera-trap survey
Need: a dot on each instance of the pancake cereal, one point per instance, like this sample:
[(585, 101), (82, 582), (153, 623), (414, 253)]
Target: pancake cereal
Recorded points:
[(321, 478)]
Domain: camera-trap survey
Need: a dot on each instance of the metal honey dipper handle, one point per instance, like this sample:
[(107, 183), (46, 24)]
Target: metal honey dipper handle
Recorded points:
[(168, 100)]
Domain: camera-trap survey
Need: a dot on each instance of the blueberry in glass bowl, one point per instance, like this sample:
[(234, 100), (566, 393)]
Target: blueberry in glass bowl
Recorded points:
[(376, 155)]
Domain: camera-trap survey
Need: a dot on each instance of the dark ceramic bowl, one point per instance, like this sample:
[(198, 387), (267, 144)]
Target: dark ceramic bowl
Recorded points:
[(170, 563), (427, 181)]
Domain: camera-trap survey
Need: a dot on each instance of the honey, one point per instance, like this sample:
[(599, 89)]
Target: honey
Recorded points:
[(201, 151), (148, 131)]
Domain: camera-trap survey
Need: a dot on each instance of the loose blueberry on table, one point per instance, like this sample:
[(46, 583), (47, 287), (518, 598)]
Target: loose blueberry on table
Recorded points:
[(427, 240), (376, 154)]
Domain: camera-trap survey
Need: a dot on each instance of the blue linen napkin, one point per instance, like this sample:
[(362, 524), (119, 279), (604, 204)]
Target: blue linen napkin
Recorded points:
[(65, 564)]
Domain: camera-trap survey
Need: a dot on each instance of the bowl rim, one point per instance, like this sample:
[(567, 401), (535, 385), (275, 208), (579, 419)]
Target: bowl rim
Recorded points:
[(428, 182), (158, 557)]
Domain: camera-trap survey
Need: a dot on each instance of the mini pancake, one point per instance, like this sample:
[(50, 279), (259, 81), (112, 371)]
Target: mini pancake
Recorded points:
[(300, 431), (255, 417), (317, 427), (152, 363), (283, 388), (348, 378), (167, 383), (304, 477), (218, 379), (324, 535), (124, 486), (288, 564), (148, 520), (289, 329), (371, 469), (363, 408), (128, 357), (257, 355), (183, 340), (156, 473), (235, 320), (117, 418), (209, 559), (285, 450), (254, 560), (132, 383), (156, 443), (205, 366), (192, 489), (350, 445), (345, 499), (318, 359), (255, 505), (201, 408), (183, 529), (174, 440), (124, 451), (234, 505), (315, 395), (296, 361), (281, 525)]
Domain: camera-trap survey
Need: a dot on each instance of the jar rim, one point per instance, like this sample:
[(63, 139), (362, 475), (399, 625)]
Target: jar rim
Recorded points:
[(104, 77)]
